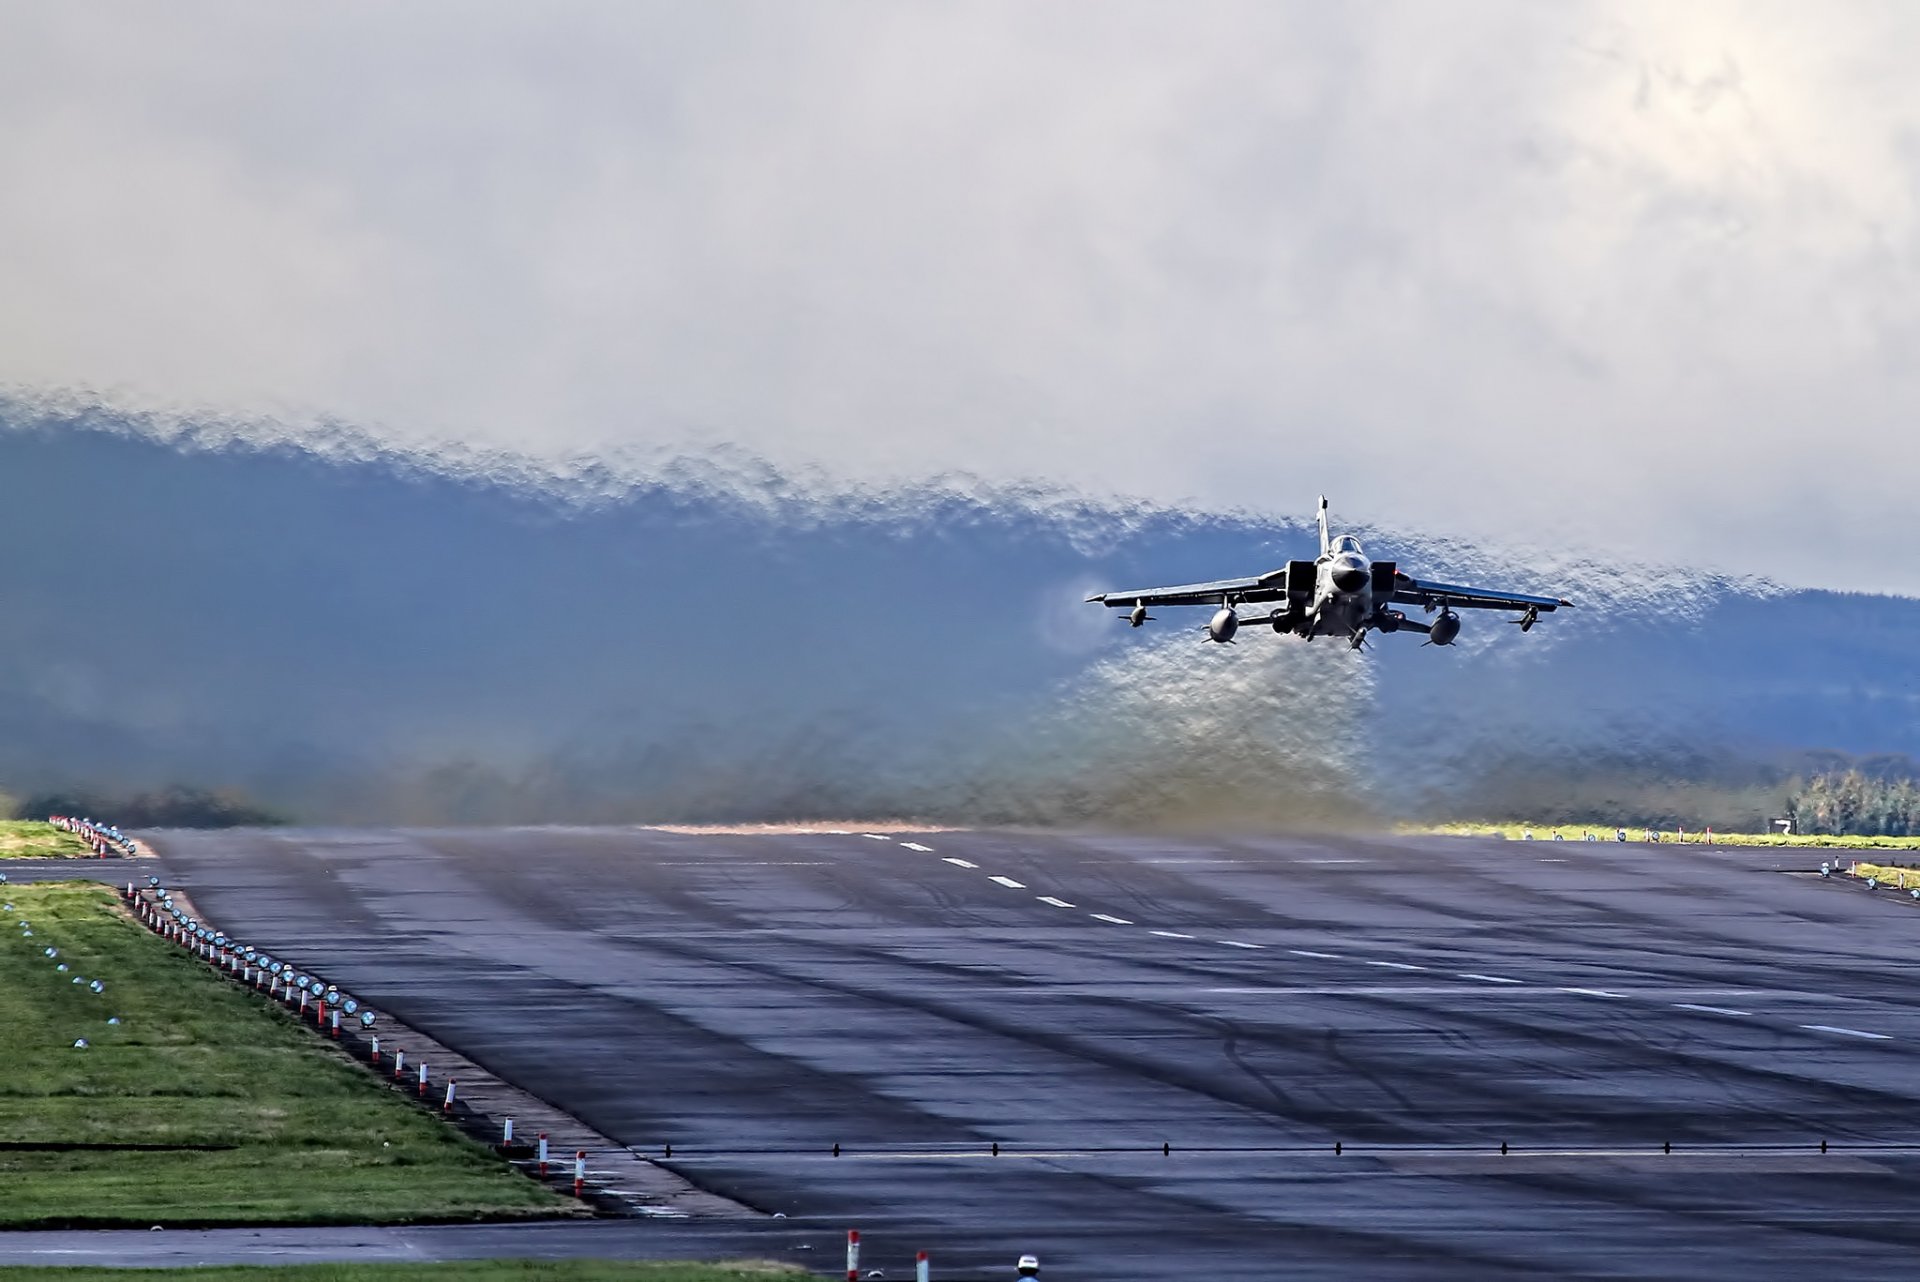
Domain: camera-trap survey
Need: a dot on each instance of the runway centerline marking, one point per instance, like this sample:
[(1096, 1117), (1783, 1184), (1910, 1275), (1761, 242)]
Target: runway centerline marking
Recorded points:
[(1592, 992), (1306, 952), (1057, 903), (1008, 882), (960, 863), (1169, 934), (1234, 943), (1488, 979), (1711, 1010), (914, 845), (1116, 921), (1393, 965), (1848, 1032)]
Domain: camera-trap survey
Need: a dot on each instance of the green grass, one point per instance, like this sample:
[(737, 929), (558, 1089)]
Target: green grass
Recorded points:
[(36, 839), (296, 1132), (1901, 878), (461, 1271), (1635, 833)]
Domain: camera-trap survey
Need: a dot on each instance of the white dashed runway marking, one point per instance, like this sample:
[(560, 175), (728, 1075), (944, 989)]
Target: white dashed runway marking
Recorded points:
[(1509, 984)]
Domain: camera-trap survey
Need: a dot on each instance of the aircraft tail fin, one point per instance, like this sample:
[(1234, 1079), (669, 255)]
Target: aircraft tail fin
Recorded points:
[(1326, 535)]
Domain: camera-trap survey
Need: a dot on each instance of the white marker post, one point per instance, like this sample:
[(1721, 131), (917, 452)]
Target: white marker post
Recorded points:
[(506, 1134), (423, 1079), (853, 1255), (399, 1063), (922, 1268), (336, 1023), (543, 1155), (375, 1059), (446, 1105), (579, 1172)]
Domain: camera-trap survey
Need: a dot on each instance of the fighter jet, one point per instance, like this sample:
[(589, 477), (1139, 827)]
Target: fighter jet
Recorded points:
[(1341, 593)]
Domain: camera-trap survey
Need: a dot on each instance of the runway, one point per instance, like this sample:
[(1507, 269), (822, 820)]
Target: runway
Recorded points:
[(1082, 1001)]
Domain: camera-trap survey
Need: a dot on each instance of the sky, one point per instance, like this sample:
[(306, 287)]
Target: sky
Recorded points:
[(1613, 280)]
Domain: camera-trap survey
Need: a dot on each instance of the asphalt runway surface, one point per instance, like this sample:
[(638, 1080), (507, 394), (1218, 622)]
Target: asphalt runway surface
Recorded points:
[(1084, 1000)]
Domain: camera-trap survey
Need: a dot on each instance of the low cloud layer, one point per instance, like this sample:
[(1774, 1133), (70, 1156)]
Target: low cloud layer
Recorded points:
[(1631, 279), (364, 641)]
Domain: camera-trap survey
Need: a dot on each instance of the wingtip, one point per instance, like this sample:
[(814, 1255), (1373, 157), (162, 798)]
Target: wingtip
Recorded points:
[(1567, 603), (1101, 597)]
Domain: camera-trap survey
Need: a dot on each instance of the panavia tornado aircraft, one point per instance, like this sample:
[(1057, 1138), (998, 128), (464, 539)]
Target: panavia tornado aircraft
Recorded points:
[(1340, 594)]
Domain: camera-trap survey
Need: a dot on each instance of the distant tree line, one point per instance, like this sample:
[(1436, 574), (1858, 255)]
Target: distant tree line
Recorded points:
[(174, 807), (1853, 803)]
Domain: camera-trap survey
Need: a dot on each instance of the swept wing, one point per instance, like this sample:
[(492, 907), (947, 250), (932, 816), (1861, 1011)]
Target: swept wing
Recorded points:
[(1426, 592), (1267, 587)]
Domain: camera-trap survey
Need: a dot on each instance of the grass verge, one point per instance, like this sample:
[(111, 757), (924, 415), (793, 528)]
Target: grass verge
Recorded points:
[(223, 1109), (1888, 875), (1576, 832), (37, 839), (463, 1270)]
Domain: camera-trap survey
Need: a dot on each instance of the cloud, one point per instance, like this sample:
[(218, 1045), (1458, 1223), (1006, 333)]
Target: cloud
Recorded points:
[(1635, 279)]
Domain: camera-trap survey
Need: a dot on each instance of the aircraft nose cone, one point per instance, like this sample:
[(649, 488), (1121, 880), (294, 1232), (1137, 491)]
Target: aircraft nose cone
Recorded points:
[(1349, 578)]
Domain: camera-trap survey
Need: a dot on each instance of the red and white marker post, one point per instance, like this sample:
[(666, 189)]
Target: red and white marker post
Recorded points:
[(922, 1267), (543, 1155), (579, 1172), (853, 1255)]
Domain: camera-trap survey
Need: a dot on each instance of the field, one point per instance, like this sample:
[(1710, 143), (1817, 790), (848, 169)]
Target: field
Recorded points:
[(203, 1104), (35, 839), (1575, 832), (463, 1271)]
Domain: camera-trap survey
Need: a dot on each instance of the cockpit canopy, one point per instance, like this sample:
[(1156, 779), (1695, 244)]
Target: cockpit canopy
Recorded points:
[(1345, 543)]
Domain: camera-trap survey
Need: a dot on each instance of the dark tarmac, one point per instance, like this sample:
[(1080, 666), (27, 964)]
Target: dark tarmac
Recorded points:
[(1082, 1000)]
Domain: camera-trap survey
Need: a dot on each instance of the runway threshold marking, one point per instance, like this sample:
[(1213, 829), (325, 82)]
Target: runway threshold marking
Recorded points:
[(1710, 1010), (1109, 919), (914, 845), (1008, 882), (1488, 979), (1057, 903), (1848, 1032), (960, 863)]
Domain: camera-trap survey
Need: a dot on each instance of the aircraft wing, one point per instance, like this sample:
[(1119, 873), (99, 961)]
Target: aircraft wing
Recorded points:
[(1428, 593), (1267, 587)]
